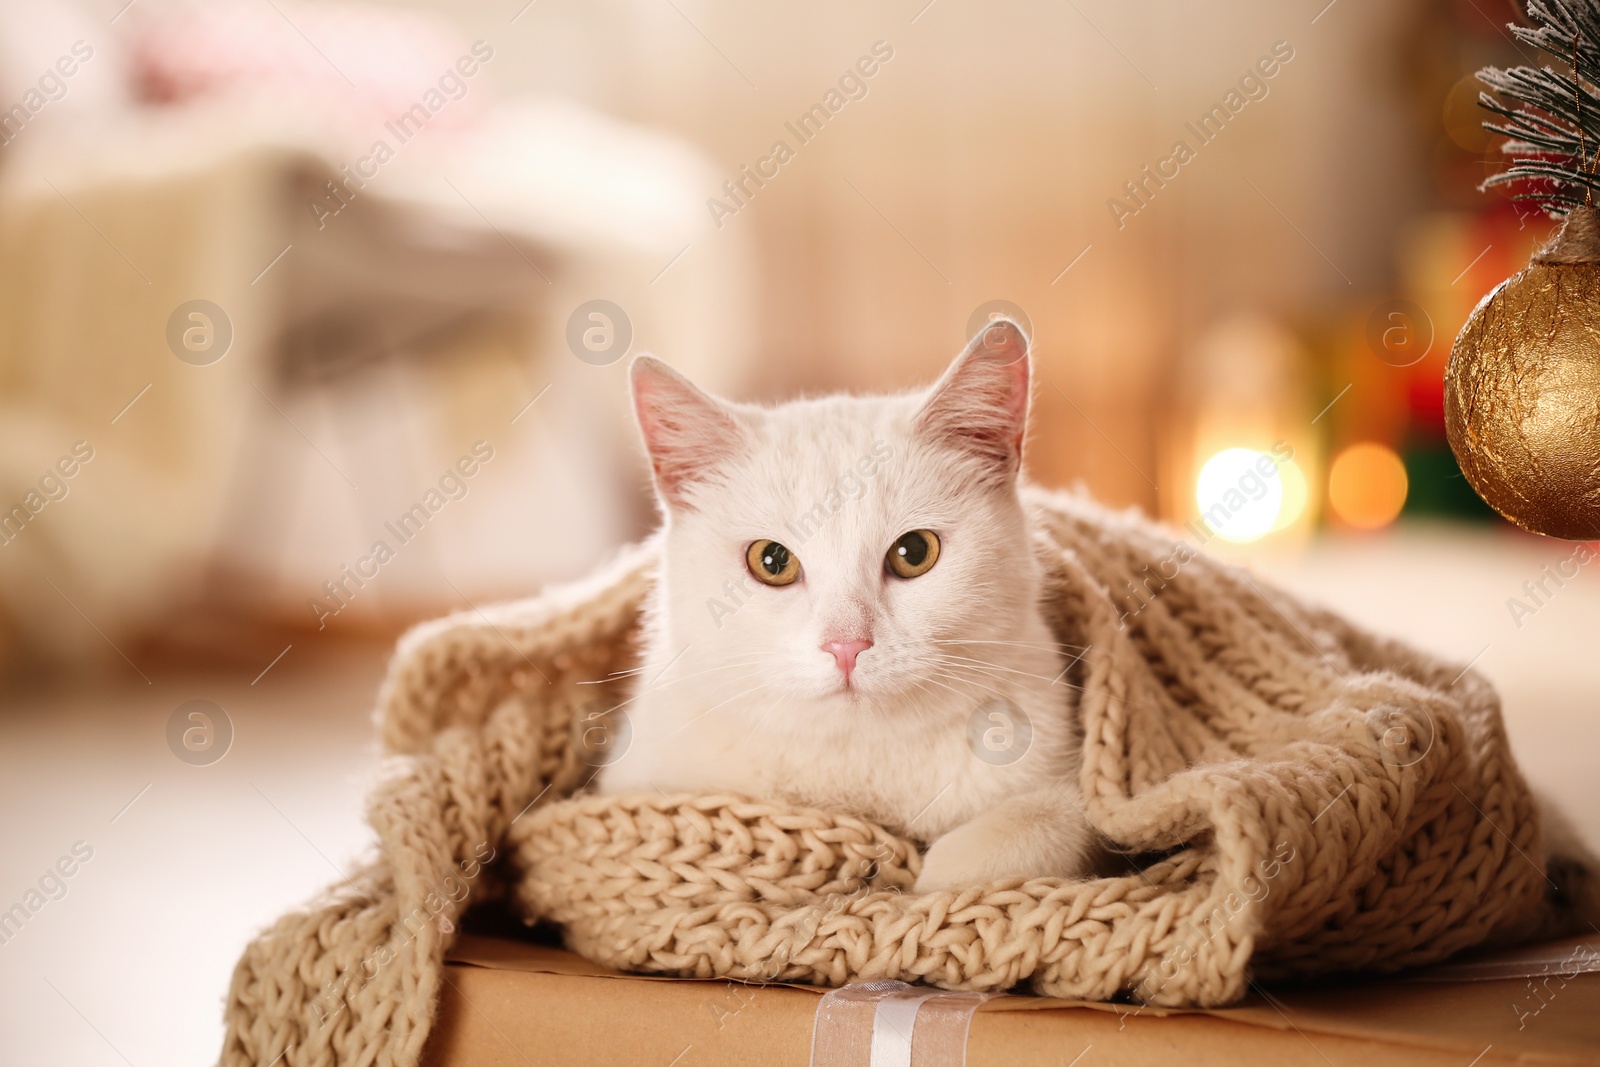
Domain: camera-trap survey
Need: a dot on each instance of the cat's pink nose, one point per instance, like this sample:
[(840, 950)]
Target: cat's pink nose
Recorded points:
[(845, 653)]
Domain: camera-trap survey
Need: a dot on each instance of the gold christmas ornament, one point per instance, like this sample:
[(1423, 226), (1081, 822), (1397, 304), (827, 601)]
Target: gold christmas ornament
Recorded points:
[(1522, 390)]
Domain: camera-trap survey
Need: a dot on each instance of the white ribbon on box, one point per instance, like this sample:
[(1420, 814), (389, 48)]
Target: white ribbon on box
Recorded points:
[(892, 1024)]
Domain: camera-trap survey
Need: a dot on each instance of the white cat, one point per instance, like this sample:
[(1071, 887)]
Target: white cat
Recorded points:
[(848, 617)]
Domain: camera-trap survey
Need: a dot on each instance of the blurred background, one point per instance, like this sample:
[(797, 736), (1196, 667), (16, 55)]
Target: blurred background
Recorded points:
[(314, 317)]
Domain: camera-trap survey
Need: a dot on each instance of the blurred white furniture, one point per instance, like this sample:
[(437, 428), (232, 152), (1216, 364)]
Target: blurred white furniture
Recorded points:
[(370, 350)]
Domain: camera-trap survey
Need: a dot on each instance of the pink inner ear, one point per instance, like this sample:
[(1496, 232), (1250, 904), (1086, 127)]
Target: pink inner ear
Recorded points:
[(687, 433), (981, 404)]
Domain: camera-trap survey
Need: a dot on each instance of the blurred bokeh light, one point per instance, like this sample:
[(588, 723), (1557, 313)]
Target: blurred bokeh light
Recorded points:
[(1249, 477), (1367, 486)]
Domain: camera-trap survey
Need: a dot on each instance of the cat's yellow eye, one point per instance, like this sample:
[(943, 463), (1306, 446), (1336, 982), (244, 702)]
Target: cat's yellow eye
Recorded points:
[(771, 563), (913, 554)]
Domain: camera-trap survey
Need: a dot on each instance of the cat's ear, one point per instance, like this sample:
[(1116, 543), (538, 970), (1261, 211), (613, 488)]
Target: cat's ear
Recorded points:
[(980, 406), (687, 433)]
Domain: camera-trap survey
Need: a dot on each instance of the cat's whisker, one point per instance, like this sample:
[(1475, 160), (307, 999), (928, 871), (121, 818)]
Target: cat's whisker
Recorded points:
[(635, 671), (650, 690), (1052, 645), (999, 641), (997, 674), (738, 661), (984, 667), (714, 707), (988, 665), (735, 681), (942, 685), (772, 709), (615, 674), (971, 681), (746, 661)]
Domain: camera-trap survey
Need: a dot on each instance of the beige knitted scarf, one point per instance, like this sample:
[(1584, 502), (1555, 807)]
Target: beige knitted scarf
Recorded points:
[(1300, 796)]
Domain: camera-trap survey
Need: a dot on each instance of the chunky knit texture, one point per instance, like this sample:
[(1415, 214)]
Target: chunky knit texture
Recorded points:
[(1301, 797)]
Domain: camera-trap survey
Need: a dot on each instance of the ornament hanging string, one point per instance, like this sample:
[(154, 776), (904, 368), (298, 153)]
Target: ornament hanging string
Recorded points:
[(1583, 153)]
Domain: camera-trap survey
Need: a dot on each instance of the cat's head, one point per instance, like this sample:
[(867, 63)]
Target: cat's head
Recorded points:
[(839, 547)]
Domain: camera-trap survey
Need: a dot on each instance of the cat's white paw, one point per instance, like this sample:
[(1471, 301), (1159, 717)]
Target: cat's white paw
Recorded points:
[(958, 860), (1026, 837)]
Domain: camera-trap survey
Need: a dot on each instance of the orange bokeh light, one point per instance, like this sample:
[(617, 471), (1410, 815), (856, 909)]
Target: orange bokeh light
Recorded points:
[(1367, 486)]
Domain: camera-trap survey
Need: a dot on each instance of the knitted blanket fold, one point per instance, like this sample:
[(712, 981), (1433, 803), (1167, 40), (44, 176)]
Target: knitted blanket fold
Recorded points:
[(1304, 798)]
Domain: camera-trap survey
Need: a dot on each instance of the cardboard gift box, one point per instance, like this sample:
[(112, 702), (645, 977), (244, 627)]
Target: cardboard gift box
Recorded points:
[(516, 1002)]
